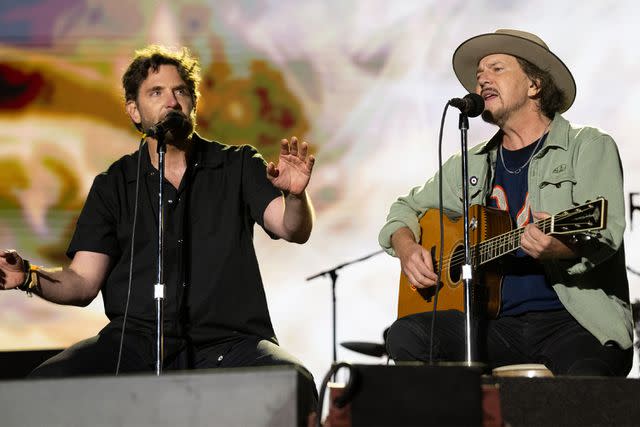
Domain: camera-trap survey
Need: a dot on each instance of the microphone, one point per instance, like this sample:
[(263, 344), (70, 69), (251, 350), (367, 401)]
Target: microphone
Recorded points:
[(472, 104), (173, 121)]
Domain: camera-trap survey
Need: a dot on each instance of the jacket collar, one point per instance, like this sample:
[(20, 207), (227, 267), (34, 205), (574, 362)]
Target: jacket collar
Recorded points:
[(558, 137)]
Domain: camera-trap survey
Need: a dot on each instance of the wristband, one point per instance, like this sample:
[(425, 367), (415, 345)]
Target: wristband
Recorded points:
[(31, 281)]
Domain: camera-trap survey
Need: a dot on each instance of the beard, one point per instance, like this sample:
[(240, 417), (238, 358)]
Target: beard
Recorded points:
[(502, 115), (184, 128), (487, 116)]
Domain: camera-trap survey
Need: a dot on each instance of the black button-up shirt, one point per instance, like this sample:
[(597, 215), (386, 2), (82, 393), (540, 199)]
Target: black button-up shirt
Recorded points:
[(213, 285)]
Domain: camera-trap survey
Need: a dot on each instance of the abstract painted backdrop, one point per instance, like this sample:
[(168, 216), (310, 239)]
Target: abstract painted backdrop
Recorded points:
[(364, 81)]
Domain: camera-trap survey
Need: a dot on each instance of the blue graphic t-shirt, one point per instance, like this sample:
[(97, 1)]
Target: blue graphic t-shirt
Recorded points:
[(524, 288)]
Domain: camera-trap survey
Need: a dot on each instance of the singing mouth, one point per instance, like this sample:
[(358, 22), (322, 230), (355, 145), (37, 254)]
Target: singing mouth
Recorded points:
[(174, 113), (489, 94)]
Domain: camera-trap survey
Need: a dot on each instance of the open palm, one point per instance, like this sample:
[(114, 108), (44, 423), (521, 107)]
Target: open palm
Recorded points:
[(293, 171)]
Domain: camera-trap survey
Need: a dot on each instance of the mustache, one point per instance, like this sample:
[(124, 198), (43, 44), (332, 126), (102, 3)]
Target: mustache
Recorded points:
[(488, 91)]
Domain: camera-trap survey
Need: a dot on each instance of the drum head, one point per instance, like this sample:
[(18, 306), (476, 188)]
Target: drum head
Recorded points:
[(529, 370)]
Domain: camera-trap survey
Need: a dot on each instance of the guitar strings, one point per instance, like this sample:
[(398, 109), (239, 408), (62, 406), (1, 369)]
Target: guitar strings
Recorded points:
[(489, 244), (509, 239)]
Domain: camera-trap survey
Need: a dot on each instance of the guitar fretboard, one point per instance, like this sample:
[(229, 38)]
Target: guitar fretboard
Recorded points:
[(589, 216), (495, 247)]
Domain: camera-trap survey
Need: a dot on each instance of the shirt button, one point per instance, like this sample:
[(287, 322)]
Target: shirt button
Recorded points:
[(179, 241), (170, 201), (220, 358)]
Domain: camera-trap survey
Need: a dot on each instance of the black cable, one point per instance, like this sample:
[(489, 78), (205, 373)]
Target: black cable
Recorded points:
[(133, 239), (348, 390), (441, 254)]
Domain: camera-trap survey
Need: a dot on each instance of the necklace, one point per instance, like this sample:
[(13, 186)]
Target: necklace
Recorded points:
[(517, 171)]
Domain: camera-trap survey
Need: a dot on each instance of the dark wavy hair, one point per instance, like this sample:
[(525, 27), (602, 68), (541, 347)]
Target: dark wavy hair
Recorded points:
[(151, 58), (551, 97)]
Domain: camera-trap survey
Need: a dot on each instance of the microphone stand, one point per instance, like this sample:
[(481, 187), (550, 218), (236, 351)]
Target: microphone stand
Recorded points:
[(333, 273), (467, 269), (159, 287)]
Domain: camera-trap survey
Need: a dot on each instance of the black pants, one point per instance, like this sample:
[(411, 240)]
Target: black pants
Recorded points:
[(553, 338), (98, 356)]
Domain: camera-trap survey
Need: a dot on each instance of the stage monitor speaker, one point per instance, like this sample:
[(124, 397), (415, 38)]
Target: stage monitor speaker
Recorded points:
[(569, 401), (18, 364), (415, 395), (269, 397)]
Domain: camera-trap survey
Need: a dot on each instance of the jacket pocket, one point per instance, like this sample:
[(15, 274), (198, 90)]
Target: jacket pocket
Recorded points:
[(557, 190)]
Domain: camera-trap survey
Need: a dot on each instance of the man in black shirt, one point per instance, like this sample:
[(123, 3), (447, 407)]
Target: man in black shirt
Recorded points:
[(216, 313)]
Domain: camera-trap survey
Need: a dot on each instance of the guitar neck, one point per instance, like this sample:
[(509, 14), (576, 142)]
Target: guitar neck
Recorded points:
[(503, 244)]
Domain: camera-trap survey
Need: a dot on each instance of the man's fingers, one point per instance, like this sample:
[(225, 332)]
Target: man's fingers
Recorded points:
[(530, 241), (310, 162), (428, 262), (10, 255), (420, 281), (541, 215), (419, 273), (304, 147), (293, 147), (426, 275), (272, 170), (284, 147)]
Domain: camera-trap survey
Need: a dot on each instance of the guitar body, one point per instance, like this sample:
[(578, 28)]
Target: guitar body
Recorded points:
[(485, 223), (490, 237)]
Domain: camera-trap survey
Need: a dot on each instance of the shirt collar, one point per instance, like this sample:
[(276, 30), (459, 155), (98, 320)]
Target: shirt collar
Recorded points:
[(207, 154)]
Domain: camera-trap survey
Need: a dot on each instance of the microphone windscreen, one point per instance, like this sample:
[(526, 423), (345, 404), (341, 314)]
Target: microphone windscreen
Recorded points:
[(475, 105)]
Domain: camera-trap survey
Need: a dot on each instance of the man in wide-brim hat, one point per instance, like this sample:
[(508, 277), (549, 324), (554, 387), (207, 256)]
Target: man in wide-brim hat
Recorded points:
[(564, 299)]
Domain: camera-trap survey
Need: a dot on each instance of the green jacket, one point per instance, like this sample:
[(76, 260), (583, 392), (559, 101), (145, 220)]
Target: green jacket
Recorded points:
[(574, 165)]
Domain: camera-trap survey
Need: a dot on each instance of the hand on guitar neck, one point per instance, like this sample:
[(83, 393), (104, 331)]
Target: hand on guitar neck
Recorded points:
[(539, 245), (415, 260)]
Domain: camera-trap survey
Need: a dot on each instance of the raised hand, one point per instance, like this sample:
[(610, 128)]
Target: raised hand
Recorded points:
[(11, 270), (293, 171)]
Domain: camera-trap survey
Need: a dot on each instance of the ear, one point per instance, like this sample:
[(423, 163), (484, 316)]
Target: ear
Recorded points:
[(132, 110), (534, 88)]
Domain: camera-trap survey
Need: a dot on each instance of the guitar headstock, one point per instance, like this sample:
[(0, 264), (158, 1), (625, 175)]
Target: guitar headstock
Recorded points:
[(590, 216)]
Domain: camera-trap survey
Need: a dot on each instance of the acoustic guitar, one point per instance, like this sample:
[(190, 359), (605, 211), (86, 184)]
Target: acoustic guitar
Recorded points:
[(490, 236)]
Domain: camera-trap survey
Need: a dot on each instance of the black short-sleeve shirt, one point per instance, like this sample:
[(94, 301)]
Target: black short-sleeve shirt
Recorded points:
[(213, 285)]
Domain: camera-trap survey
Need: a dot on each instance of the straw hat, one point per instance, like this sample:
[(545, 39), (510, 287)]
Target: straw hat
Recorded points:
[(517, 43)]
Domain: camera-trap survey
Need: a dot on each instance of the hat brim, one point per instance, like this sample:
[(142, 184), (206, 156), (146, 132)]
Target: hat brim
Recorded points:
[(469, 53)]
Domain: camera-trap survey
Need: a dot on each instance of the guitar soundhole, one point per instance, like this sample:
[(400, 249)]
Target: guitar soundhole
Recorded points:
[(455, 264)]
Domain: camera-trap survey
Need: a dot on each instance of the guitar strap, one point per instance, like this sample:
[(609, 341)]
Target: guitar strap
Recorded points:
[(488, 183)]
